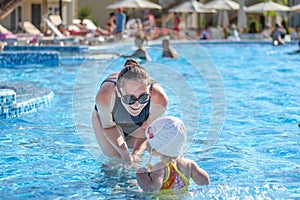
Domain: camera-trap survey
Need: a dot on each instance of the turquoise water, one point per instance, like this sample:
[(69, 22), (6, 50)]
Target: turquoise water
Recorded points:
[(240, 103)]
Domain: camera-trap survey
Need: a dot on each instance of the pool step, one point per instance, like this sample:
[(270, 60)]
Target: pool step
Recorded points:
[(18, 98)]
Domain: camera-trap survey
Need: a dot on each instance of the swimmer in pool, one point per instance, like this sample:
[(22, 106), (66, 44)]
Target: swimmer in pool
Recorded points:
[(126, 103), (168, 51), (141, 52)]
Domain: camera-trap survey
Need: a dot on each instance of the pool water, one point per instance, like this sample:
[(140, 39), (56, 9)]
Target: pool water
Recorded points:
[(239, 101)]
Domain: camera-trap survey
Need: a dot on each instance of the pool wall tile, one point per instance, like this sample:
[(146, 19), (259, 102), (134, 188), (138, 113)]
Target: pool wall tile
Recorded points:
[(48, 48), (17, 58), (11, 108)]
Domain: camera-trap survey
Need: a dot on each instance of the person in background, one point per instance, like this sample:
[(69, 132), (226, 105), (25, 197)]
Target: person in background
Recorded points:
[(166, 137), (176, 22), (120, 23), (126, 103), (62, 28), (134, 26), (285, 27), (266, 33), (295, 34), (276, 35), (149, 24), (141, 52), (168, 51), (205, 33), (234, 33), (110, 23), (252, 28)]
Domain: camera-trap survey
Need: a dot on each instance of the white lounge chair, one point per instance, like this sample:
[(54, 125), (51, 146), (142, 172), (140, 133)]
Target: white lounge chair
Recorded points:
[(31, 29), (14, 39), (60, 37)]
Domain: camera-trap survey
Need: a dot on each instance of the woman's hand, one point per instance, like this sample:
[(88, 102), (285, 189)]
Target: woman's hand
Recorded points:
[(127, 157), (136, 158)]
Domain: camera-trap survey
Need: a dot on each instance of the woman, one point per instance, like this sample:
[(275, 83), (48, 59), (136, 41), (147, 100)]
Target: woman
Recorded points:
[(149, 24), (276, 35), (168, 51), (126, 103), (110, 23), (176, 22), (141, 52)]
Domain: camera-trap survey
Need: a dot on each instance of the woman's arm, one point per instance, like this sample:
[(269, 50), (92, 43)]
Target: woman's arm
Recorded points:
[(116, 139), (139, 53), (140, 145), (105, 102), (159, 102)]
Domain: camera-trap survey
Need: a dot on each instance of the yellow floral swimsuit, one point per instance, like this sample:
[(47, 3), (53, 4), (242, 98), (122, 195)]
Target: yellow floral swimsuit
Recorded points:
[(175, 180)]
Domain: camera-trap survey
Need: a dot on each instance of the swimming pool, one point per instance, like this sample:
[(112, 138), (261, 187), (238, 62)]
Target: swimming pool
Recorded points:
[(51, 154)]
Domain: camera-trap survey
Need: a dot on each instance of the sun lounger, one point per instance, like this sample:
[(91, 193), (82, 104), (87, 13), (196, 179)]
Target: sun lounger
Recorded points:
[(70, 30), (29, 28), (97, 30), (15, 39), (88, 35), (60, 37), (55, 20), (98, 35), (7, 36), (84, 35)]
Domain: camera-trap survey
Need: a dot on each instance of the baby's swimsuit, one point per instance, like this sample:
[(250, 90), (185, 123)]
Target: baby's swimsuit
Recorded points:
[(175, 180)]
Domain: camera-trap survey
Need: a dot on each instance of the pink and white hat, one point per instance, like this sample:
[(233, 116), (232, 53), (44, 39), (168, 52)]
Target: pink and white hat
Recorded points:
[(167, 136)]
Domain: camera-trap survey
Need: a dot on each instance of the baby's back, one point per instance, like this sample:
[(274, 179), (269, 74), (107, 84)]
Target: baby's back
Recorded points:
[(191, 170), (184, 166)]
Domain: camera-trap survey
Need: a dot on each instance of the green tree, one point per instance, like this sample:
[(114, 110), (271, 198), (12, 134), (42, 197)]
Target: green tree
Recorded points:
[(85, 13)]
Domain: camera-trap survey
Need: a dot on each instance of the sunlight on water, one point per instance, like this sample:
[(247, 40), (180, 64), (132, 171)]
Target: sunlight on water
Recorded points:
[(53, 153)]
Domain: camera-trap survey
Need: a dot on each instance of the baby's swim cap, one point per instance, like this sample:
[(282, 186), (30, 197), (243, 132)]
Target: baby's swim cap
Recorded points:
[(167, 136)]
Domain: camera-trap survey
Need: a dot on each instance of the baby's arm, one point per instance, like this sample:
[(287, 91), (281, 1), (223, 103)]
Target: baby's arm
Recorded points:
[(151, 181), (198, 175)]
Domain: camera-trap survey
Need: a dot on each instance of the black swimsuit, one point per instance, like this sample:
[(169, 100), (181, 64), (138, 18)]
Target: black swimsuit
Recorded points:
[(122, 118)]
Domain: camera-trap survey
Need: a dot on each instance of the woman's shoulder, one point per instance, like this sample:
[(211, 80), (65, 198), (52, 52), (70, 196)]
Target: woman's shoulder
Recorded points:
[(114, 75), (158, 93), (106, 93), (156, 88)]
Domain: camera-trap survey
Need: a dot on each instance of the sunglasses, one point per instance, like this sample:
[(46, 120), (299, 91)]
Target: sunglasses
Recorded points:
[(130, 99)]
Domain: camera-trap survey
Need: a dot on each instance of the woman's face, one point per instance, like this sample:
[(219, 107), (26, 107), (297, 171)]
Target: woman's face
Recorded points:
[(139, 90)]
